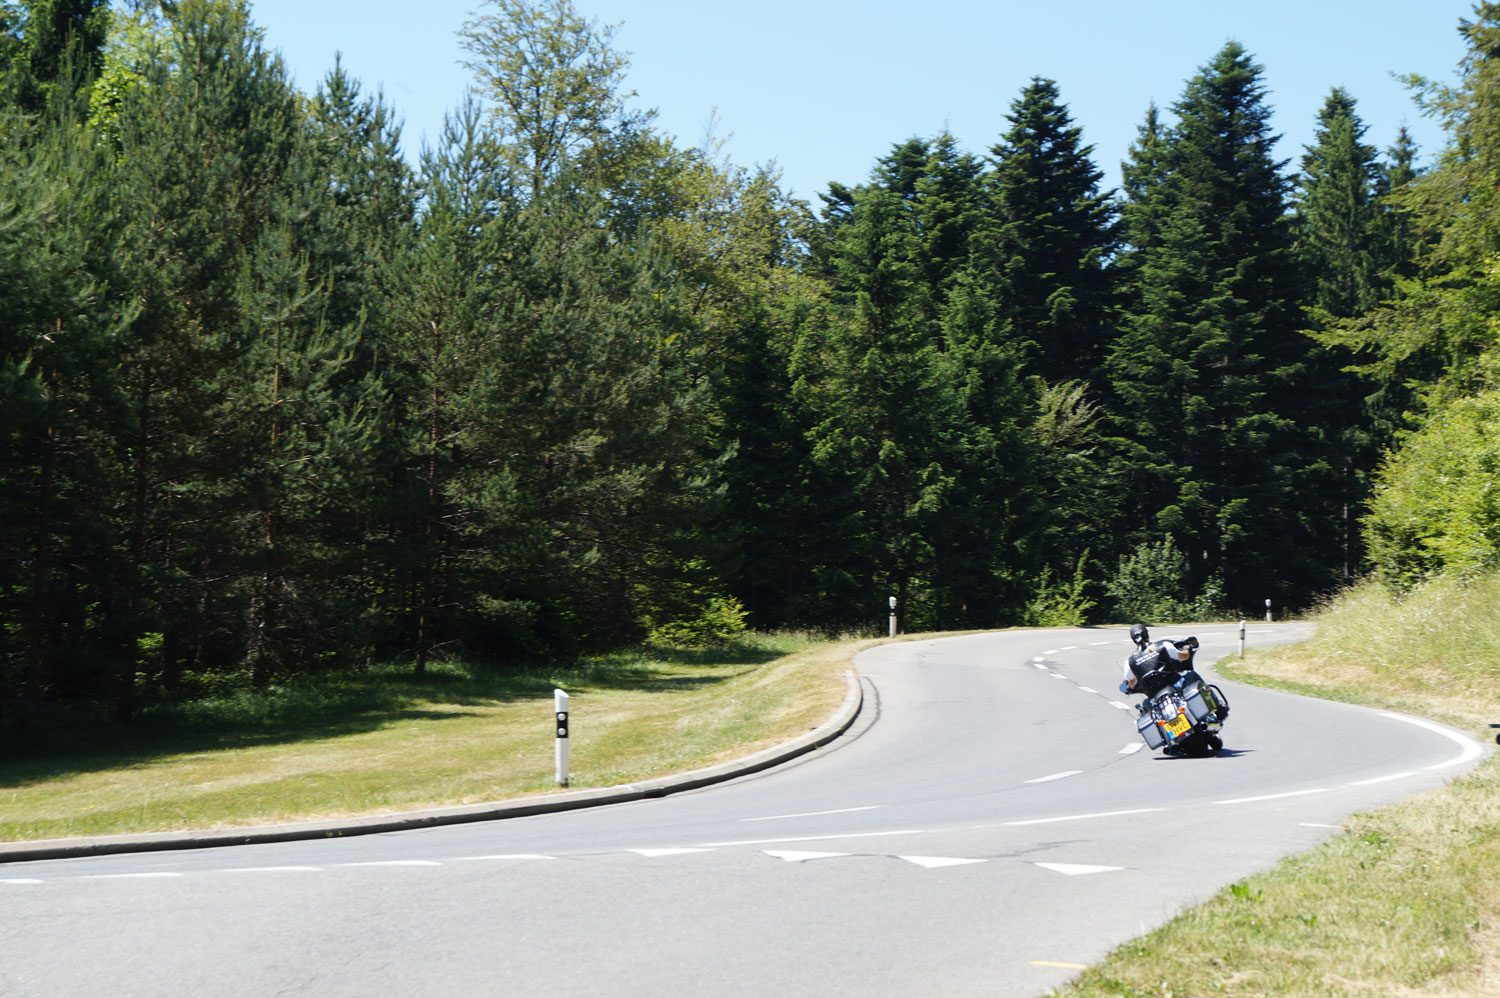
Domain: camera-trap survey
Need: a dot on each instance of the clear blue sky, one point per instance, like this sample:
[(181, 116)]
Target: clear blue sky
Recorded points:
[(825, 88)]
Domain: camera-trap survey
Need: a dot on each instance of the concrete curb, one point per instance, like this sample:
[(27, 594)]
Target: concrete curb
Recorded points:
[(16, 852)]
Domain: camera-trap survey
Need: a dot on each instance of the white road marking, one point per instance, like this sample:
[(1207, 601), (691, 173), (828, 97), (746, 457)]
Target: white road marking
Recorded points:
[(1038, 663), (273, 869), (815, 814), (1096, 644), (506, 855), (1050, 651), (1077, 869), (1058, 675), (802, 857), (1132, 748), (22, 881), (1087, 689), (1291, 793), (129, 876), (1470, 747), (397, 862), (1056, 776), (1382, 779), (937, 862), (653, 853), (1083, 817), (1123, 706), (1069, 647), (810, 838)]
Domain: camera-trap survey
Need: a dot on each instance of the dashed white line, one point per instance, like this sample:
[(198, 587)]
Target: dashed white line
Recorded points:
[(1050, 651), (1087, 689), (802, 857), (1084, 817), (1056, 776), (130, 876), (506, 855), (810, 838), (1123, 706), (1058, 675), (815, 814), (1291, 793), (1132, 748)]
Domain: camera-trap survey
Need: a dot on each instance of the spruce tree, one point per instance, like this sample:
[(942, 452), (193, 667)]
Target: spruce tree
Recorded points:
[(1052, 232), (1208, 374)]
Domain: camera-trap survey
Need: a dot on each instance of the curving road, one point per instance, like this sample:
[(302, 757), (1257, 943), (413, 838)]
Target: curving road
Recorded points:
[(990, 824)]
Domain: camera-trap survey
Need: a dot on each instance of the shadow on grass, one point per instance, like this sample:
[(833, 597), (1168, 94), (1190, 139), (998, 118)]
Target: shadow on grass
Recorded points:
[(319, 708)]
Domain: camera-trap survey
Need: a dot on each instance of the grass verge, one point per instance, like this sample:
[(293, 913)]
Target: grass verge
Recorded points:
[(387, 741), (1406, 901)]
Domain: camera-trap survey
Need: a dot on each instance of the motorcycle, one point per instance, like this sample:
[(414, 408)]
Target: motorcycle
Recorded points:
[(1182, 715)]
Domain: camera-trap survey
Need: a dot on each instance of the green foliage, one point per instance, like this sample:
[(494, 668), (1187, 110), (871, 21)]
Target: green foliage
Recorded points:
[(1436, 507), (1149, 584), (1060, 603), (721, 620)]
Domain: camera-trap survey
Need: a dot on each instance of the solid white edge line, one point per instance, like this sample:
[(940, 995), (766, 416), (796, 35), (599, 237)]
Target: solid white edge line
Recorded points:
[(1055, 776), (1383, 779), (809, 838), (22, 881), (1082, 817), (508, 855), (272, 869), (1291, 793), (1471, 749), (817, 814), (396, 862)]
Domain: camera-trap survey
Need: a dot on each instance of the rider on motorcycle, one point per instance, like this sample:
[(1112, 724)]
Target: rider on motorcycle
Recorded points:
[(1156, 664)]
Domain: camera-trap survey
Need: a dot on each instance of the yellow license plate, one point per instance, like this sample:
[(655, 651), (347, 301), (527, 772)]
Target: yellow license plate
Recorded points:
[(1179, 725)]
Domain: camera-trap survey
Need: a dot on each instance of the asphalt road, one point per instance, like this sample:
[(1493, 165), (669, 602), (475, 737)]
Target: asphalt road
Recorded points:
[(990, 824)]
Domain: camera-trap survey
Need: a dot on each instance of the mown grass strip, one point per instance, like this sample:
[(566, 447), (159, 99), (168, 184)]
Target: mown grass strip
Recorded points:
[(387, 742)]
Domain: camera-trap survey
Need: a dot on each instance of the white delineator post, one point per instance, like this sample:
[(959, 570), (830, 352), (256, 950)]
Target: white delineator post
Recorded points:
[(893, 616), (560, 710), (1268, 611), (1242, 639)]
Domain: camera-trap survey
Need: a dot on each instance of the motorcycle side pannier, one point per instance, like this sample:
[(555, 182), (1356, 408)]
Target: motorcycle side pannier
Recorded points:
[(1150, 730), (1203, 700)]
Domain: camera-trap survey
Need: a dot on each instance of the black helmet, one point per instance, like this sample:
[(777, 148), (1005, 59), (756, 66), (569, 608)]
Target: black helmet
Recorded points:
[(1139, 635)]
